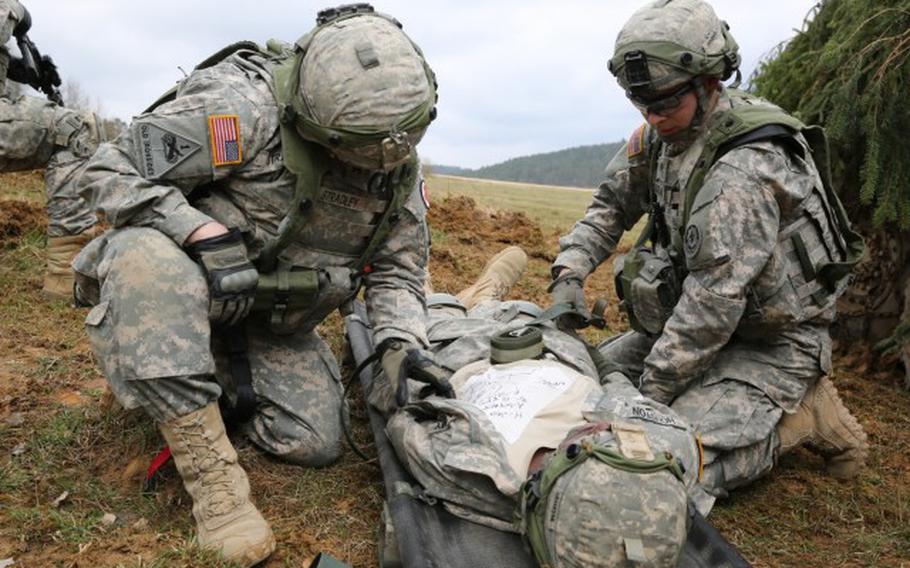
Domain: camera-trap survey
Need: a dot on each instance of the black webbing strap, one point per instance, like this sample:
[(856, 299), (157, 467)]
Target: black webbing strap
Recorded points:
[(238, 401)]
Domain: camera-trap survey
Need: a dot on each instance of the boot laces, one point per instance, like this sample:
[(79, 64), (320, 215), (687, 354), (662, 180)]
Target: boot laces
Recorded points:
[(213, 470)]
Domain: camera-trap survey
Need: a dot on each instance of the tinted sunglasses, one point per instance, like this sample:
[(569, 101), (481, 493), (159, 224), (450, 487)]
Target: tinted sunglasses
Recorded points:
[(664, 104)]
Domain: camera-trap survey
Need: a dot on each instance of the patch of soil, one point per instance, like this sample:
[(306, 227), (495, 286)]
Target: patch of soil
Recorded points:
[(471, 225), (18, 218)]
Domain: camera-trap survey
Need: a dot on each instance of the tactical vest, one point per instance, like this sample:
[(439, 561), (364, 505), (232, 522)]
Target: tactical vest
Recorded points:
[(820, 247), (286, 289)]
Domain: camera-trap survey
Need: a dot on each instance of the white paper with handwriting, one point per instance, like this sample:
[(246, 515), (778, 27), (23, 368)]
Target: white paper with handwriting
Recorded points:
[(512, 396)]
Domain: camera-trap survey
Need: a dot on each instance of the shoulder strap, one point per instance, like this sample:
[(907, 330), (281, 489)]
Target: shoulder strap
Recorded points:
[(306, 160), (209, 61), (733, 128), (401, 191)]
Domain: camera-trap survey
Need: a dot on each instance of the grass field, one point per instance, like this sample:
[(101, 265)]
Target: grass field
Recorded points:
[(68, 457), (554, 208)]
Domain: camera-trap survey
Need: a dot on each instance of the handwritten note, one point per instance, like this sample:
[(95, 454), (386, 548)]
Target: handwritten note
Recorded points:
[(511, 397)]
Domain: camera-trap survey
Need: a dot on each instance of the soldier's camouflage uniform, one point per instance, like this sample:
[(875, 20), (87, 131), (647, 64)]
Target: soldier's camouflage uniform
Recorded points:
[(150, 328), (741, 346), (36, 133), (459, 457)]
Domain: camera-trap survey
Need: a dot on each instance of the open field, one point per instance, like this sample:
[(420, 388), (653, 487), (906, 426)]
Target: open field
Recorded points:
[(554, 208), (551, 206), (60, 434)]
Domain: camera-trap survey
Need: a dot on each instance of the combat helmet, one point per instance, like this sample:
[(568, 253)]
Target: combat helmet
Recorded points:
[(360, 87), (670, 42), (592, 505)]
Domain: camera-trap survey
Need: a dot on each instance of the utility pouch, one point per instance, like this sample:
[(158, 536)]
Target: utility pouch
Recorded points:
[(648, 288), (284, 290)]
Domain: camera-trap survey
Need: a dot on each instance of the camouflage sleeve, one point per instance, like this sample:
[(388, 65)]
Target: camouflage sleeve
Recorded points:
[(214, 128), (11, 12), (730, 237), (394, 289), (618, 204)]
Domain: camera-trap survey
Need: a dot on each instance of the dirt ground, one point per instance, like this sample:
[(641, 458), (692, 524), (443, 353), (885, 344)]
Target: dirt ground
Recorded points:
[(68, 457)]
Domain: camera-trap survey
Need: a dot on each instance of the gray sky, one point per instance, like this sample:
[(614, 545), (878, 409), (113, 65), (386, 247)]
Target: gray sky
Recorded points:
[(516, 76)]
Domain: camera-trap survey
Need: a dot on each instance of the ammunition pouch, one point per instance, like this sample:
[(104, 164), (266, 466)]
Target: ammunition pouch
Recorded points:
[(648, 288)]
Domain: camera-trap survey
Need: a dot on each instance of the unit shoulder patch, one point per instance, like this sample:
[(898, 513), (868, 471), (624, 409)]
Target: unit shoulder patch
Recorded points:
[(636, 143), (161, 149), (692, 241), (224, 135)]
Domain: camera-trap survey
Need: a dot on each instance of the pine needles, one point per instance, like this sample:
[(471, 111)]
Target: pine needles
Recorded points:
[(849, 69)]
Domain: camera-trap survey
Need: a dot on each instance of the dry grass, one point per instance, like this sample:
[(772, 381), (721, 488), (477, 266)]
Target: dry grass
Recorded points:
[(53, 416)]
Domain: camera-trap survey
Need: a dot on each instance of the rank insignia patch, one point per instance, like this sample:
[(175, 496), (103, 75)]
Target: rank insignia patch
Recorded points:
[(636, 142), (224, 133)]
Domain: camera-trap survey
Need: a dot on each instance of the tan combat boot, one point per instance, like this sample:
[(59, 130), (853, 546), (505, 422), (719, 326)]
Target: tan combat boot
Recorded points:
[(498, 276), (58, 279), (824, 424), (226, 519)]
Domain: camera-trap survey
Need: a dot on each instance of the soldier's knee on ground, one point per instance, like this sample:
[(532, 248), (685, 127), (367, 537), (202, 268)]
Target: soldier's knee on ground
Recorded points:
[(317, 454), (291, 439), (26, 133)]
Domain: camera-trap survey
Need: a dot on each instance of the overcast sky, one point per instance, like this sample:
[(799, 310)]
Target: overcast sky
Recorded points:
[(516, 76)]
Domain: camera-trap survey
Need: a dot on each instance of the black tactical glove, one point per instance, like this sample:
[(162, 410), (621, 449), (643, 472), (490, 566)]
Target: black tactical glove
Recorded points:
[(402, 361), (24, 24), (18, 71), (568, 288), (49, 74), (231, 276)]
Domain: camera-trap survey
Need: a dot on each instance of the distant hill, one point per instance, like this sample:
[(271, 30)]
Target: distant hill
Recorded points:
[(582, 166)]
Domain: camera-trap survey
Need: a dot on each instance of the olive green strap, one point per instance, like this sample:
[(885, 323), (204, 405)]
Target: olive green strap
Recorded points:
[(534, 493), (401, 191), (727, 127), (306, 160)]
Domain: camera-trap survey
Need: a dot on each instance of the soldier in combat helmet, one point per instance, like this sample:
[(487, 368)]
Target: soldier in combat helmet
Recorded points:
[(732, 287), (38, 133), (253, 199), (543, 438)]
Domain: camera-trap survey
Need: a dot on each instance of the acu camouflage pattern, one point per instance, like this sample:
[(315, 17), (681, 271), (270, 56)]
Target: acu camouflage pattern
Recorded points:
[(740, 347), (456, 454), (36, 133), (151, 325), (694, 28)]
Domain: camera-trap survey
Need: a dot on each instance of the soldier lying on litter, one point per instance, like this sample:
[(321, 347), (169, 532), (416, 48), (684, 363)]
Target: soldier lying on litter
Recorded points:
[(547, 438), (40, 133), (249, 202)]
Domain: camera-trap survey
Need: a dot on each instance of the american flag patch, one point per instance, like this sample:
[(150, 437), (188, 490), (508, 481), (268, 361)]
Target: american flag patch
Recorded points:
[(224, 133), (636, 142)]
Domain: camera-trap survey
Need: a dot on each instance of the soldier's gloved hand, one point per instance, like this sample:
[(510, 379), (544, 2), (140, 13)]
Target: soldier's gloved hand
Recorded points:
[(49, 73), (402, 361), (17, 71), (231, 276), (23, 20), (568, 288)]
